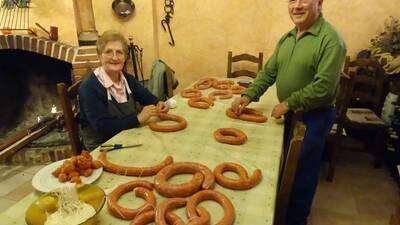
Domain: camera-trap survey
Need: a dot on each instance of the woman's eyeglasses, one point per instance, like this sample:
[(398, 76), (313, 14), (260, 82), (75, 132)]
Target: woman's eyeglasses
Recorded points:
[(110, 53)]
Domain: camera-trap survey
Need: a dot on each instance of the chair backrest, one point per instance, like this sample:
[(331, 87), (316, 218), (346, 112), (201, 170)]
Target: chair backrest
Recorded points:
[(243, 57), (69, 103), (288, 173), (367, 83)]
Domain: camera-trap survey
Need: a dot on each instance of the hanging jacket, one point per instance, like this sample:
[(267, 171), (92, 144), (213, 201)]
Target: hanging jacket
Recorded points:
[(156, 84)]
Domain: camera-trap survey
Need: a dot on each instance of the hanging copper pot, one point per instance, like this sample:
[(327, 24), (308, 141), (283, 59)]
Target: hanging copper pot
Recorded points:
[(123, 8)]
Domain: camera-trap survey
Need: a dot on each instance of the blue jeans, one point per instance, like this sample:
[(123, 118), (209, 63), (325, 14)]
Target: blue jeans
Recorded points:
[(318, 125)]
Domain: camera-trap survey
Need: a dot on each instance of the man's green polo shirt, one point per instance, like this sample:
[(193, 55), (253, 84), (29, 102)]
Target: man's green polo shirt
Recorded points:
[(306, 71)]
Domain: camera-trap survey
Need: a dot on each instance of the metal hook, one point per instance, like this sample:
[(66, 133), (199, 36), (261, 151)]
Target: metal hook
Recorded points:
[(166, 21)]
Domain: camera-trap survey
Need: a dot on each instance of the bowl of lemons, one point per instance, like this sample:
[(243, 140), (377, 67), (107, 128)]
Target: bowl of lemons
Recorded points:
[(47, 208)]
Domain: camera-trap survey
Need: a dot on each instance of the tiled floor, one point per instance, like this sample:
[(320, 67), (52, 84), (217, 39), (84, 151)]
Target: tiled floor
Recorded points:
[(15, 183), (359, 194)]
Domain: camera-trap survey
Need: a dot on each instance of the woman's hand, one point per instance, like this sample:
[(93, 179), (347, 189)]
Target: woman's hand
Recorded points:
[(239, 103), (162, 107), (147, 112)]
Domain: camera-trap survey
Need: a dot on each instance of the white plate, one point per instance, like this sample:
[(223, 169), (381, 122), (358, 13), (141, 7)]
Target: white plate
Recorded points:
[(44, 181)]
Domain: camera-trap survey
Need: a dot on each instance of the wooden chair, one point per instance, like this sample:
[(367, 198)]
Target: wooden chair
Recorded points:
[(243, 57), (365, 107), (333, 141), (69, 103), (288, 173), (368, 83), (360, 89)]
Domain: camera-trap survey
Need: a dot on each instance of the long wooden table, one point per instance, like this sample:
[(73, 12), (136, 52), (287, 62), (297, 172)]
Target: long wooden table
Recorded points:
[(196, 144)]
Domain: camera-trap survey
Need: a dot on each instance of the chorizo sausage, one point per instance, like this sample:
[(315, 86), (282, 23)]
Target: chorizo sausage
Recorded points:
[(223, 94), (243, 183), (202, 217), (143, 218), (180, 190), (76, 180), (143, 192), (230, 136), (149, 217), (248, 114), (201, 102), (96, 164), (204, 83), (238, 90), (191, 93), (203, 178), (229, 210), (222, 84), (180, 125), (132, 171), (62, 177)]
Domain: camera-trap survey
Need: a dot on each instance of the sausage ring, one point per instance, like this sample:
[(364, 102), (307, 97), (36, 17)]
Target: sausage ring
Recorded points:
[(162, 108), (142, 190), (204, 195), (133, 171), (230, 136), (203, 178), (200, 103), (243, 183), (164, 208), (248, 114), (144, 218), (191, 93), (149, 217), (181, 123), (223, 94), (238, 90), (222, 84), (204, 83)]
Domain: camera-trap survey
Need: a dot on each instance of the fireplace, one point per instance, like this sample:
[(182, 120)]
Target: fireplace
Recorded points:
[(28, 92), (29, 69), (28, 87)]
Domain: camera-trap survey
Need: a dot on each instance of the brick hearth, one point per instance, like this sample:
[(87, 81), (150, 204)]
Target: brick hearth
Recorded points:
[(32, 156)]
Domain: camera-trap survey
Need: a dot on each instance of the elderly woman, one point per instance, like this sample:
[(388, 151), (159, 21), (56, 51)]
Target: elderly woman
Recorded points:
[(108, 96)]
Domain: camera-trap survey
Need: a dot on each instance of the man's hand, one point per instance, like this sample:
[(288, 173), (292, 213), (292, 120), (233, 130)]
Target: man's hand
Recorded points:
[(239, 103), (280, 110), (147, 112)]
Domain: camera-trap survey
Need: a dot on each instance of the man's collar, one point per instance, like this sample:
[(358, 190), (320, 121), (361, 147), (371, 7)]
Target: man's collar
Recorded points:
[(314, 29)]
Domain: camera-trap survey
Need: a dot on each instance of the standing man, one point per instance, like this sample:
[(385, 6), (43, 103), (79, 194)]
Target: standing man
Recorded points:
[(306, 67)]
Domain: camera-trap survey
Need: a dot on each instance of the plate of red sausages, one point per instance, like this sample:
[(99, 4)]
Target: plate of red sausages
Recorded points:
[(77, 169)]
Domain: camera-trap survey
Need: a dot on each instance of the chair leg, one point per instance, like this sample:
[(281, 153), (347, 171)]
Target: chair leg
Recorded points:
[(379, 148), (331, 172)]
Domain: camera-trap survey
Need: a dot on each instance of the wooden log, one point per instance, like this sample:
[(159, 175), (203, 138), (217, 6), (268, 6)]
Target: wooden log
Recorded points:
[(19, 135), (7, 152)]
